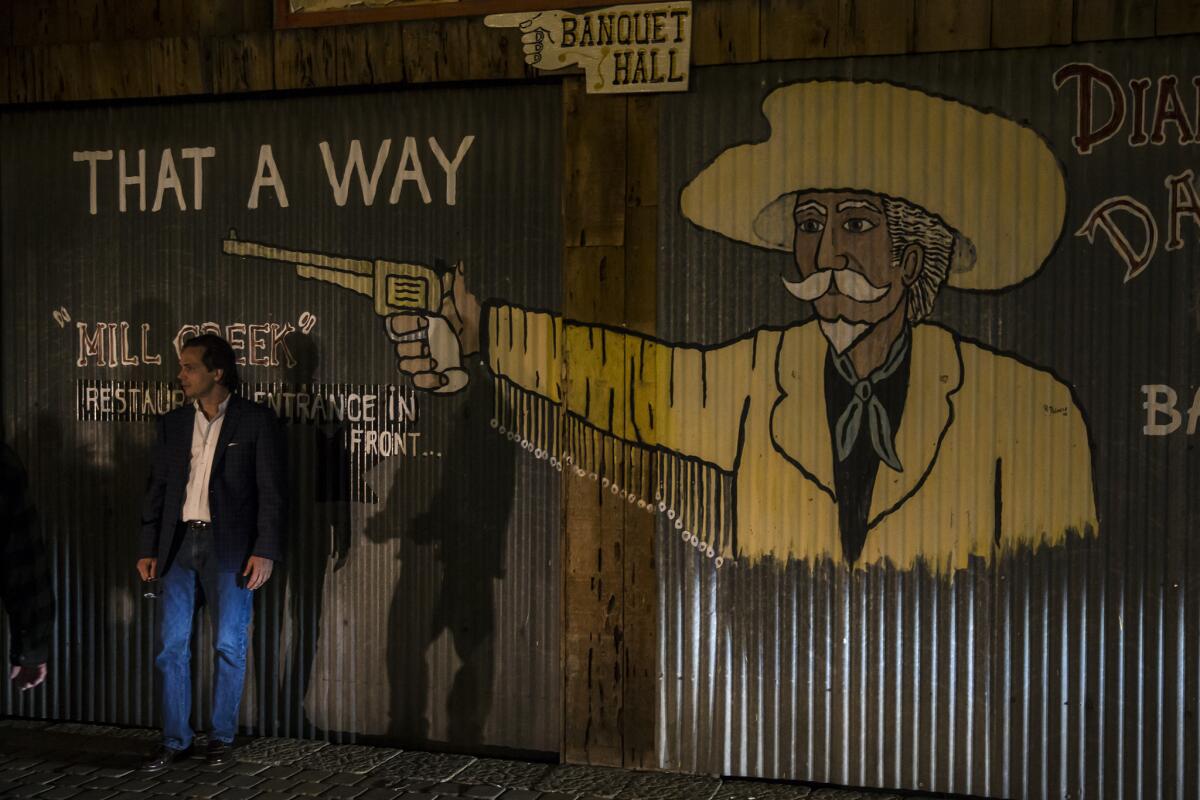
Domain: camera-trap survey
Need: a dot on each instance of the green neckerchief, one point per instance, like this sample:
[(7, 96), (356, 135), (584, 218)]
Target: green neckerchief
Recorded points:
[(850, 422)]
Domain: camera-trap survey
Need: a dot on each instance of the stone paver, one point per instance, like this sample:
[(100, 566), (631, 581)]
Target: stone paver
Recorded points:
[(510, 774), (348, 758), (571, 778), (758, 790), (74, 761)]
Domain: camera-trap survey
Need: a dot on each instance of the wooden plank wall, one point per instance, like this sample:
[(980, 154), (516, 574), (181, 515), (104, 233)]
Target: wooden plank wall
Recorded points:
[(76, 50)]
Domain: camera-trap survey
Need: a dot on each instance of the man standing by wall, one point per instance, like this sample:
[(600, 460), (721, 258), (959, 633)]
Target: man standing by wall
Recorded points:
[(212, 522), (24, 577)]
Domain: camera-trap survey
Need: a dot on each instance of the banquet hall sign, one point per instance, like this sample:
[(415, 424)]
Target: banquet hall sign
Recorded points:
[(622, 50)]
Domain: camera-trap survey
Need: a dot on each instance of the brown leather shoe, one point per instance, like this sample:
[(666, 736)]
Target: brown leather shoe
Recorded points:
[(165, 758), (217, 752)]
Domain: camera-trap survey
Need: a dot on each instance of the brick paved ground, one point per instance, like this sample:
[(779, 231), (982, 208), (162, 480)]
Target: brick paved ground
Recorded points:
[(67, 761)]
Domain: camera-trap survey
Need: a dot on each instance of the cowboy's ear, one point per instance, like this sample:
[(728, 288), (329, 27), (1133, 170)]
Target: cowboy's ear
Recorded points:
[(912, 261)]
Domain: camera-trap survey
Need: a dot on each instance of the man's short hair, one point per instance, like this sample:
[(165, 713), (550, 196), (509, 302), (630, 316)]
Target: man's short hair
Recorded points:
[(910, 224), (218, 355)]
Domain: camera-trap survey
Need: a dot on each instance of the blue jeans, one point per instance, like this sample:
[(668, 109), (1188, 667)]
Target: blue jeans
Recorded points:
[(230, 606)]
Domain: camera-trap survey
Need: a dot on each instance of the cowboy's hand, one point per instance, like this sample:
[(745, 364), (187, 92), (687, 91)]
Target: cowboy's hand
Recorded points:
[(430, 347), (257, 571), (27, 678), (147, 568), (543, 39)]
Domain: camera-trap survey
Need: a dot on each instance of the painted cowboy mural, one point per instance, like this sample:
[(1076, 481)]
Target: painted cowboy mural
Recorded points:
[(863, 434)]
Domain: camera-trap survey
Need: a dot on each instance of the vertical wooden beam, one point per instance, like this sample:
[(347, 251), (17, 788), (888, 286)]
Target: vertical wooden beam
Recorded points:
[(593, 600), (1113, 19), (875, 27), (1031, 23), (952, 25), (798, 29), (594, 135), (1177, 16), (640, 692)]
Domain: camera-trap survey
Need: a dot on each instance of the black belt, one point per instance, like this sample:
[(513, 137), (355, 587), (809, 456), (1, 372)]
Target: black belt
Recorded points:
[(197, 525)]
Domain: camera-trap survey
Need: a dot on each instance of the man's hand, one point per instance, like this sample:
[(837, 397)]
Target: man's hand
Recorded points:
[(27, 678), (258, 570), (147, 568), (430, 347)]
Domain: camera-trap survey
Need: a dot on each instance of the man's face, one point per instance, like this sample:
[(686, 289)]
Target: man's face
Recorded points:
[(195, 378), (846, 231)]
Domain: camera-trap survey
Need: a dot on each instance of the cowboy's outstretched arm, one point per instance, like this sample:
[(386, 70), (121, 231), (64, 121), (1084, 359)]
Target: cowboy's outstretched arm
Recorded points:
[(687, 400)]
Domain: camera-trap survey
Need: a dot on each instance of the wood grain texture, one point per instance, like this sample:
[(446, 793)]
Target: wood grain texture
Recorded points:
[(436, 50), (495, 53), (223, 17), (25, 68), (593, 556), (243, 63), (352, 58), (119, 69), (593, 167), (33, 22), (305, 59), (1113, 19), (1177, 16), (66, 73), (952, 25), (641, 145), (798, 29), (385, 50), (1031, 23), (725, 32), (5, 59), (639, 702), (178, 66), (875, 27)]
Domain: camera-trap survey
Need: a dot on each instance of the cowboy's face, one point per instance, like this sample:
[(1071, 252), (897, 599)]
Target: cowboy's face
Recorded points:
[(848, 231)]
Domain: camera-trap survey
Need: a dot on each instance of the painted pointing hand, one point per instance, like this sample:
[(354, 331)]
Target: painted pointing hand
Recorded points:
[(542, 39), (430, 347)]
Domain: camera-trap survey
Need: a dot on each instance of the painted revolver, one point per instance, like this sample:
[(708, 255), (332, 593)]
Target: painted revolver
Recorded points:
[(396, 288)]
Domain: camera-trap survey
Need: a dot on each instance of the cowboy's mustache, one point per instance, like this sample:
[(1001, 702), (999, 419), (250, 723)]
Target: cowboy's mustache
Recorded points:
[(849, 282)]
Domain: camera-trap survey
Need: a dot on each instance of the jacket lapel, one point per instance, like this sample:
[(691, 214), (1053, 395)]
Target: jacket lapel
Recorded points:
[(935, 376), (228, 428), (799, 424)]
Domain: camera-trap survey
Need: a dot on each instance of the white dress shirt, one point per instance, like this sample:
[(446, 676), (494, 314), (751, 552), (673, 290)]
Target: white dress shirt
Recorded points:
[(204, 446)]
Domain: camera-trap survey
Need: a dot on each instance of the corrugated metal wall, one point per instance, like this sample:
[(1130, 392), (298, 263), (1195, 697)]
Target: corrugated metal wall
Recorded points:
[(1062, 672), (420, 601)]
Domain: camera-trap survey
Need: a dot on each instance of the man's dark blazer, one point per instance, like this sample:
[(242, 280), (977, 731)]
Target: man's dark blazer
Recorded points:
[(247, 486)]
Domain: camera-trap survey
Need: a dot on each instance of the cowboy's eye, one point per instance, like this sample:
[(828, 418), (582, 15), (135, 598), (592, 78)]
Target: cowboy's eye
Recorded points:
[(858, 225), (810, 225)]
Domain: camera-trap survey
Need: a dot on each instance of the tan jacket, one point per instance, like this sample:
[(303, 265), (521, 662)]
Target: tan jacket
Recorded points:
[(995, 452)]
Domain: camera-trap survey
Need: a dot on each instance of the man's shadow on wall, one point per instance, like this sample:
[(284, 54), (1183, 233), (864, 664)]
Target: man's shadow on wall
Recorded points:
[(287, 637), (451, 556)]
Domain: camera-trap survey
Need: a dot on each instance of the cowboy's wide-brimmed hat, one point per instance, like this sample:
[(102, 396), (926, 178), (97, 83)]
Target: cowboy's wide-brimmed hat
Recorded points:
[(994, 182)]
